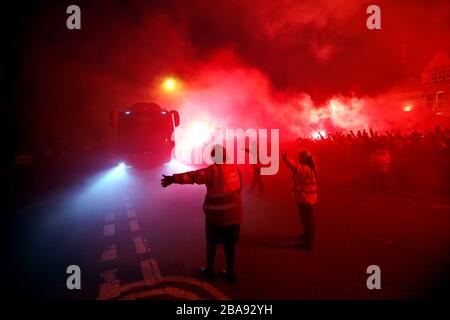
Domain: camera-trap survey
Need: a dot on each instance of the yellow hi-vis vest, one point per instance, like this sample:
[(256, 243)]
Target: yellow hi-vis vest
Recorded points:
[(223, 205), (304, 187)]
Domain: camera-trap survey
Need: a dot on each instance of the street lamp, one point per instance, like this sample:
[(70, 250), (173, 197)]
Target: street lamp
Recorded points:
[(407, 108), (170, 85)]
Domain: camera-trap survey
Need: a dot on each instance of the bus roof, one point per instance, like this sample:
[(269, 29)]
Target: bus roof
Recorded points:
[(145, 107)]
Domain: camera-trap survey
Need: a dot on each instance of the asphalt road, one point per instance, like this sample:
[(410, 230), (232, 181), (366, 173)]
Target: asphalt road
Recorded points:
[(133, 239)]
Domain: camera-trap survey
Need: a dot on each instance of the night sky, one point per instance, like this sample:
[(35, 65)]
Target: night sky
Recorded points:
[(62, 84)]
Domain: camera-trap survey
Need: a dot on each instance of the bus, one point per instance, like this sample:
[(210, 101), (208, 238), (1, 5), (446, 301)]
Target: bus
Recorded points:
[(144, 134)]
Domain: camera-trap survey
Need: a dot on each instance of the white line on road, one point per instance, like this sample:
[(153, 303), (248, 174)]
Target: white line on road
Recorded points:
[(109, 275), (155, 269), (111, 287), (217, 294), (139, 244), (147, 272), (109, 290), (109, 254), (134, 226), (131, 213)]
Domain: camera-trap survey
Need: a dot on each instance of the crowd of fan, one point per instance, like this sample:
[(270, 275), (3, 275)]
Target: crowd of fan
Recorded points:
[(419, 160)]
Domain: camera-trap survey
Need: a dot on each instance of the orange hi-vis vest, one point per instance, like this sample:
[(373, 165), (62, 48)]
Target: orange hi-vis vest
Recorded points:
[(223, 205), (304, 187)]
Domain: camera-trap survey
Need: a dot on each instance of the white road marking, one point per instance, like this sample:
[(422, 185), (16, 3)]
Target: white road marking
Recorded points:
[(169, 289), (133, 285), (139, 244), (111, 287), (109, 290), (134, 226), (155, 270), (149, 278), (109, 275), (151, 273), (109, 254), (217, 294), (131, 213), (109, 230)]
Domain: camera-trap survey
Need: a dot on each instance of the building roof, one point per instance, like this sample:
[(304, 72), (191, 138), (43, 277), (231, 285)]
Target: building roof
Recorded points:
[(439, 60)]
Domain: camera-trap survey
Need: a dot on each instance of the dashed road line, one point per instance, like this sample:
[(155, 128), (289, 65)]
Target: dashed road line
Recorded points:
[(109, 254), (111, 288), (147, 272), (131, 213), (134, 226), (139, 245), (155, 270), (109, 275)]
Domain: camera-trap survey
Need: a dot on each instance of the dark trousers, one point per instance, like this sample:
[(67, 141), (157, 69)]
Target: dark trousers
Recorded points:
[(307, 221), (228, 237), (229, 256)]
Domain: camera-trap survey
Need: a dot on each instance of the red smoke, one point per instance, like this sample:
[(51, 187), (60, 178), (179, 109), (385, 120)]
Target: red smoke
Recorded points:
[(301, 66), (224, 93)]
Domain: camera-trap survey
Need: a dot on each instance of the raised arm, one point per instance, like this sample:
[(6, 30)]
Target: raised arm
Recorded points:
[(289, 162), (201, 176)]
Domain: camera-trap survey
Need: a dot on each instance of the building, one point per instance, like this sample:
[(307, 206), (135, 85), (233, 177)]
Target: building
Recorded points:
[(429, 95)]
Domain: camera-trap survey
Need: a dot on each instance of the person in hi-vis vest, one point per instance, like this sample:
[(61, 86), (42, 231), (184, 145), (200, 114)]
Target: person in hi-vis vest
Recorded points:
[(380, 161), (304, 191), (222, 207), (257, 182)]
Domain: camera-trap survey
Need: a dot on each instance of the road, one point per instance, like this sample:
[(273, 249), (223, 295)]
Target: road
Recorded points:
[(135, 240)]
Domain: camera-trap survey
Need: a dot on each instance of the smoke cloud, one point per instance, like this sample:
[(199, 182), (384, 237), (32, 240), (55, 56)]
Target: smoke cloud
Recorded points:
[(300, 66)]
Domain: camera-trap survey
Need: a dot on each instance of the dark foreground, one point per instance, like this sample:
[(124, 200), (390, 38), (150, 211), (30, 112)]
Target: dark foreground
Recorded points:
[(133, 239)]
